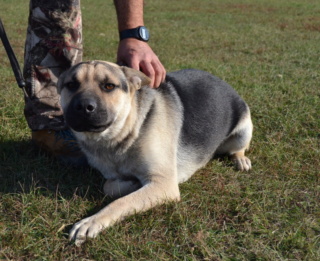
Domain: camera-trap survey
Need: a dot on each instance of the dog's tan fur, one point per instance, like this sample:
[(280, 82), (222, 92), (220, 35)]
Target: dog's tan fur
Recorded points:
[(140, 154)]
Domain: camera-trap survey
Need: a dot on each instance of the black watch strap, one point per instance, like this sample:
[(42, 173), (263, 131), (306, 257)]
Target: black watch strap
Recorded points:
[(141, 33)]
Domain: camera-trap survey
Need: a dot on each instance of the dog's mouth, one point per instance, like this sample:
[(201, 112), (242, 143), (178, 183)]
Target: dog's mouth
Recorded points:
[(91, 128)]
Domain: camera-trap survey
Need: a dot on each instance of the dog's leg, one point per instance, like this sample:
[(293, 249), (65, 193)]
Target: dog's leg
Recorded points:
[(119, 188), (237, 143), (150, 195)]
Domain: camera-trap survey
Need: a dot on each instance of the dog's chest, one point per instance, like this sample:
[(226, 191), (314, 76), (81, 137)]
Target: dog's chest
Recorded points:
[(115, 165)]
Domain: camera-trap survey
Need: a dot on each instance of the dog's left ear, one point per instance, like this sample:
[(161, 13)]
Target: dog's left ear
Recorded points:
[(135, 77)]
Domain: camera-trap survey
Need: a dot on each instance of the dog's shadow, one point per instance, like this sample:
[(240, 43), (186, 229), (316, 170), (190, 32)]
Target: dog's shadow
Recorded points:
[(23, 168)]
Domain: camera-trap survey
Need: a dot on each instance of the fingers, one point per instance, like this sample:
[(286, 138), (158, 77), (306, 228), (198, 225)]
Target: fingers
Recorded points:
[(155, 71), (139, 55), (133, 63)]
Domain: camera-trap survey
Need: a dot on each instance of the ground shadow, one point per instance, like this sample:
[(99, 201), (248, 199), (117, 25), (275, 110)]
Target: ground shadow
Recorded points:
[(24, 168)]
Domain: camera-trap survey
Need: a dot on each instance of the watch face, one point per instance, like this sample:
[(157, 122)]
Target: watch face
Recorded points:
[(144, 33)]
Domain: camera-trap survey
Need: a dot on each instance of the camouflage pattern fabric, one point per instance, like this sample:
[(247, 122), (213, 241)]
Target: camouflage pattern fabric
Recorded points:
[(53, 44)]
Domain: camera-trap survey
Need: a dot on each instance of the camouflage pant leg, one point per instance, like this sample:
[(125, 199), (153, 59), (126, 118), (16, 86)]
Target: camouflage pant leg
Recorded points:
[(53, 44)]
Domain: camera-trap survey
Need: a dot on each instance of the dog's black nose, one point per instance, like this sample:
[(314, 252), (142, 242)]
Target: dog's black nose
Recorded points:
[(86, 106)]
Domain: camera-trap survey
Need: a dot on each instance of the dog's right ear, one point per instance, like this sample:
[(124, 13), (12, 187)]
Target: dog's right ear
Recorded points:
[(135, 77)]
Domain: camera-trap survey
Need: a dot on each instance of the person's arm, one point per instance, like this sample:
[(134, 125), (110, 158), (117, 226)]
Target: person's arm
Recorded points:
[(133, 52)]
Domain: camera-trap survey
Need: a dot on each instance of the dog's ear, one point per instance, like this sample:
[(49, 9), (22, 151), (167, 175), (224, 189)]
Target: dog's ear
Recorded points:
[(135, 77)]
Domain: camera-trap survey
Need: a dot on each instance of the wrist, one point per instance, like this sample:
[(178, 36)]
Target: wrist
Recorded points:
[(140, 33)]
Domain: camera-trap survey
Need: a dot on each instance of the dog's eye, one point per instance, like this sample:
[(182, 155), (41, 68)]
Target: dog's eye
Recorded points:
[(72, 85), (108, 87)]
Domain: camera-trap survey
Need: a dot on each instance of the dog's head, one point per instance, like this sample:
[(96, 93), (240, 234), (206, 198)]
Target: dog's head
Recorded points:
[(95, 93)]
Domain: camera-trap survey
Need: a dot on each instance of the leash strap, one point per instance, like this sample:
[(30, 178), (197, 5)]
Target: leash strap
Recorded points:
[(13, 60)]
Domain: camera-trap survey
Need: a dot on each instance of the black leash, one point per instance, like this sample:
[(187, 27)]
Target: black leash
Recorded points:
[(13, 60)]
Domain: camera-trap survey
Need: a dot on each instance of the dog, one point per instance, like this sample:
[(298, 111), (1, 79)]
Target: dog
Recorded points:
[(146, 141)]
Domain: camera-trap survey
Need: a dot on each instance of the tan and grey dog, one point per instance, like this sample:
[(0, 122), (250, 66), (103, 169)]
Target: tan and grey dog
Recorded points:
[(146, 141)]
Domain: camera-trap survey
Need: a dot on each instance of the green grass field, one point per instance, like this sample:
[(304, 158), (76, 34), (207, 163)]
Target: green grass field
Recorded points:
[(269, 52)]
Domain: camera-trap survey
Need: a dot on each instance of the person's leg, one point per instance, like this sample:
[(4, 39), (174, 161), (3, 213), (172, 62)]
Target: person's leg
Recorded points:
[(53, 44)]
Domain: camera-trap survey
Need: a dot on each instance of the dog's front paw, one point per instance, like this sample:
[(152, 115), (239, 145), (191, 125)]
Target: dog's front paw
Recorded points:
[(87, 228)]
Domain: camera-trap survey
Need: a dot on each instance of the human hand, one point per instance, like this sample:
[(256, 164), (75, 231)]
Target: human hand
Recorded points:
[(139, 55)]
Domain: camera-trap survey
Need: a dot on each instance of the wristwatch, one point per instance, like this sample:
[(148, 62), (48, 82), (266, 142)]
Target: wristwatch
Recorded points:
[(141, 33)]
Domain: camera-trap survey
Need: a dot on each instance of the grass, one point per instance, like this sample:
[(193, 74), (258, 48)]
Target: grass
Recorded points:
[(269, 51)]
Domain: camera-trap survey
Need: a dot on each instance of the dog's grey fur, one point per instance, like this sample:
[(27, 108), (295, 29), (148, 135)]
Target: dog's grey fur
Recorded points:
[(146, 141)]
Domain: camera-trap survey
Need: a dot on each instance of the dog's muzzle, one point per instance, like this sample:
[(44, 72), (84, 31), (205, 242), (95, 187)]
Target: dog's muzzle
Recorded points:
[(85, 107), (86, 113)]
